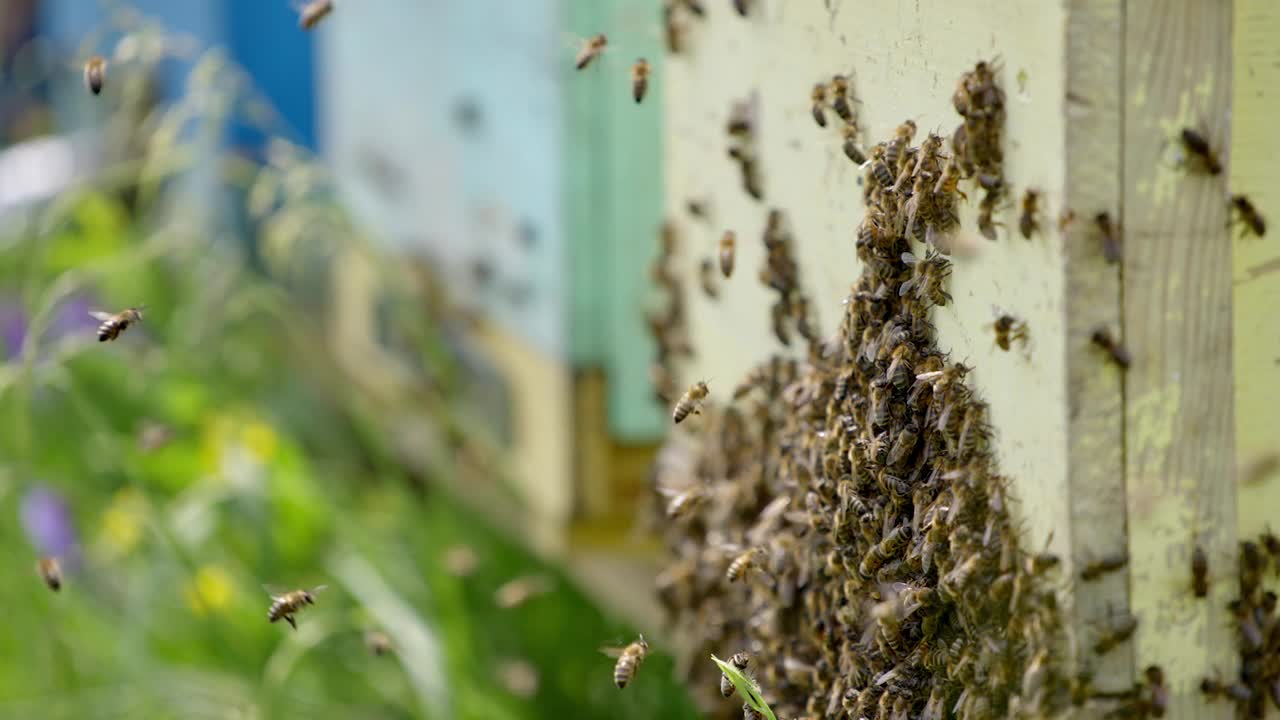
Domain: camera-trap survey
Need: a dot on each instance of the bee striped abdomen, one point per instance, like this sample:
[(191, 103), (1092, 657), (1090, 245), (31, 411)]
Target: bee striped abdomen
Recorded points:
[(110, 330), (629, 662)]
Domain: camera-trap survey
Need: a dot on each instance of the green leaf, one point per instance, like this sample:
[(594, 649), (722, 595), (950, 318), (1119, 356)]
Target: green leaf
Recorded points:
[(747, 687)]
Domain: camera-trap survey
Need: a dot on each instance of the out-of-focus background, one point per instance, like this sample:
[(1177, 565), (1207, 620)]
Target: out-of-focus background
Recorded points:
[(392, 344)]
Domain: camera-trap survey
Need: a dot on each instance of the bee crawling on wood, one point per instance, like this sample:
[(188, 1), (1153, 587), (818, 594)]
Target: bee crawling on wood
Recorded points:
[(115, 323), (1250, 219), (691, 401), (1119, 353), (286, 605), (728, 242), (639, 79), (1009, 330), (1111, 248), (1098, 568), (1028, 222), (1199, 572), (95, 74), (629, 660), (1206, 157)]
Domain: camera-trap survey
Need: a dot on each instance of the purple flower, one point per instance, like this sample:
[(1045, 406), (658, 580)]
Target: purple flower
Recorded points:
[(48, 524), (73, 318), (13, 327)]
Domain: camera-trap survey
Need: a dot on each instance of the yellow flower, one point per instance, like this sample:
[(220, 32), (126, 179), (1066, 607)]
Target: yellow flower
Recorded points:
[(209, 591), (260, 439), (122, 521)]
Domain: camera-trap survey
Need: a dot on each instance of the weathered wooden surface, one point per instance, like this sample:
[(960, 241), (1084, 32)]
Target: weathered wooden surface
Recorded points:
[(1255, 172), (1179, 459), (1095, 410)]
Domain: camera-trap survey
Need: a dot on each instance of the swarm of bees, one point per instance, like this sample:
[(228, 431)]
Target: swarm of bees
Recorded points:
[(977, 141), (1253, 614), (851, 529)]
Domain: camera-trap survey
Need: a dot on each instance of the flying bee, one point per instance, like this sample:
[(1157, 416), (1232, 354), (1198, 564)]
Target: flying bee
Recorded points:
[(1196, 144), (851, 149), (707, 278), (1028, 222), (740, 661), (95, 74), (681, 502), (840, 99), (313, 12), (1250, 219), (639, 79), (51, 572), (629, 660), (728, 242), (1111, 248), (691, 401), (460, 560), (1119, 353), (1199, 572), (742, 563), (377, 642), (818, 96), (1009, 330), (114, 324), (517, 592), (591, 49), (1114, 635), (1098, 568), (285, 606)]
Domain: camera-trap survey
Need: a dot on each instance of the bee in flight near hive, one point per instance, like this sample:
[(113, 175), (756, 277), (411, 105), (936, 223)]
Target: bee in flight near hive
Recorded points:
[(591, 49), (377, 642), (51, 572), (1009, 329), (691, 401), (285, 606), (95, 74), (629, 660), (313, 12), (639, 79), (520, 590), (728, 242), (114, 324)]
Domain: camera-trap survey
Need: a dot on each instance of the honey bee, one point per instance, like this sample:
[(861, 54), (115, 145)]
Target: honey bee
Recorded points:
[(840, 99), (927, 277), (639, 79), (1199, 147), (591, 49), (1199, 572), (629, 660), (517, 592), (1114, 635), (987, 209), (1246, 624), (779, 313), (285, 606), (95, 74), (1029, 222), (1098, 568), (740, 661), (851, 149), (691, 401), (902, 137), (1250, 219), (51, 572), (1009, 329), (377, 642), (742, 7), (313, 12), (707, 278), (1237, 692), (818, 96), (949, 182), (883, 550), (749, 712), (1119, 353), (728, 242), (460, 560), (518, 677), (114, 324), (1111, 248), (1157, 692), (681, 502), (742, 563)]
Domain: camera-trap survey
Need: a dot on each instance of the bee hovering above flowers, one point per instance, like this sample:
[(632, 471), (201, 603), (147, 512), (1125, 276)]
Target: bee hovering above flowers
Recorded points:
[(114, 324), (285, 606)]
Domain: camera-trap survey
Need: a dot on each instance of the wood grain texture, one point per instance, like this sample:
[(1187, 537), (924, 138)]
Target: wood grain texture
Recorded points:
[(1255, 172), (1095, 411), (1177, 322)]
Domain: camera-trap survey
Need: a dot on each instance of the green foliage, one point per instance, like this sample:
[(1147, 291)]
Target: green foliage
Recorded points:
[(746, 687)]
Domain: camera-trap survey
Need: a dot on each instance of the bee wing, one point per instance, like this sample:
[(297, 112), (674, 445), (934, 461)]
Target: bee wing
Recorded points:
[(274, 591), (613, 652), (318, 588), (101, 316)]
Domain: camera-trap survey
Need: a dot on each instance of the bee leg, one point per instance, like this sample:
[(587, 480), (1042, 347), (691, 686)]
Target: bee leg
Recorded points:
[(293, 623)]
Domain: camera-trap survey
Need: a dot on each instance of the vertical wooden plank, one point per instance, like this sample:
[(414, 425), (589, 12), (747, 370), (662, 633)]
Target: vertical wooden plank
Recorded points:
[(1177, 322), (634, 183), (1255, 148), (1095, 413)]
